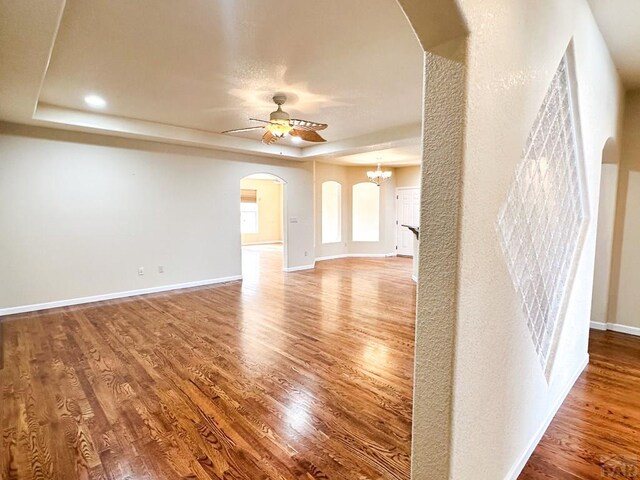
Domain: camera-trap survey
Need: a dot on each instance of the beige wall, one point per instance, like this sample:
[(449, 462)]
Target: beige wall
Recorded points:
[(604, 242), (347, 177), (625, 277), (487, 390), (80, 213), (269, 196), (407, 176)]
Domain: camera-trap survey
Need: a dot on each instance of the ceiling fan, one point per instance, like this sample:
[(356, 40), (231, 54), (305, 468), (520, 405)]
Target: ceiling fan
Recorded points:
[(280, 124)]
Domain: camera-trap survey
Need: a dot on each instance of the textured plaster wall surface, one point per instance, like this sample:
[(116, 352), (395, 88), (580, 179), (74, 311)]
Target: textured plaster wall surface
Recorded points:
[(347, 177), (626, 263), (501, 396), (476, 366), (80, 213), (438, 264)]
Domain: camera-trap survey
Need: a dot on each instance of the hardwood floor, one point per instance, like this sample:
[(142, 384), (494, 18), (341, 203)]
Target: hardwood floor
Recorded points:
[(304, 375), (596, 433)]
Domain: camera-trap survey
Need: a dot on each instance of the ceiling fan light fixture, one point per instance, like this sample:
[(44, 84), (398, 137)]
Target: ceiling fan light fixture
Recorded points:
[(279, 128), (279, 115), (281, 124), (378, 176), (280, 120)]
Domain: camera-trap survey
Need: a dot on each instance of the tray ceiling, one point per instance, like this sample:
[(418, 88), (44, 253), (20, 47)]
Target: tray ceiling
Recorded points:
[(207, 66)]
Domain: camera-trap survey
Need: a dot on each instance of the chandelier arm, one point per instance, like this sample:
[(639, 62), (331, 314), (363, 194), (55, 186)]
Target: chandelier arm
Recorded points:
[(378, 176)]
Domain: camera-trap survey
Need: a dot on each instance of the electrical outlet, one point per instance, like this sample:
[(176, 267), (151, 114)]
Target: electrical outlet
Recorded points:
[(160, 268), (140, 270)]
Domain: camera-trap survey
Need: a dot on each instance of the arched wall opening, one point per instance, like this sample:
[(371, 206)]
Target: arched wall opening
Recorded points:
[(623, 307), (604, 287), (263, 226)]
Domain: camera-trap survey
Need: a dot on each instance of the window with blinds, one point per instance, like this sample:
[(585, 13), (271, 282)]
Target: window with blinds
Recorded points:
[(248, 196), (248, 211)]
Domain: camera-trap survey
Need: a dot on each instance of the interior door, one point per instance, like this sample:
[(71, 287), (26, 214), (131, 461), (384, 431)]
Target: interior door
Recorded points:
[(407, 213)]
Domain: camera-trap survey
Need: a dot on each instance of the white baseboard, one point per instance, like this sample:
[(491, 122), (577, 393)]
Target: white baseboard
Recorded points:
[(111, 296), (301, 267), (331, 257), (516, 470), (356, 255), (273, 242), (598, 326), (616, 327)]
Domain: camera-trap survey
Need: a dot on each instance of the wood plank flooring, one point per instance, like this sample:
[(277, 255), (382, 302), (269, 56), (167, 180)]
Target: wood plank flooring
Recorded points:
[(596, 433), (305, 375)]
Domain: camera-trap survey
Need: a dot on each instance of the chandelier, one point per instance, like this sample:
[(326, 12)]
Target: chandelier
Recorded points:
[(378, 176)]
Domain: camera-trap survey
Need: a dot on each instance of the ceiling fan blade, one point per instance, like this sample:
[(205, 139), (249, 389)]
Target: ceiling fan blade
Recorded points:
[(306, 125), (307, 135), (247, 129), (269, 138), (258, 120)]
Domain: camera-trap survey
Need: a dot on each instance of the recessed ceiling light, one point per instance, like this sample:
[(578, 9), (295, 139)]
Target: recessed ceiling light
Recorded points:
[(296, 139), (95, 101)]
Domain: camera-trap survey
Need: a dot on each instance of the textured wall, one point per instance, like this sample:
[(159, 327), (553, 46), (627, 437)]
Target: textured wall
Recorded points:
[(79, 213), (438, 267), (475, 360), (502, 398)]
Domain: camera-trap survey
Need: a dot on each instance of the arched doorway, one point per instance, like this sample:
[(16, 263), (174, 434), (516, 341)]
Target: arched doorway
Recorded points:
[(262, 225), (605, 283)]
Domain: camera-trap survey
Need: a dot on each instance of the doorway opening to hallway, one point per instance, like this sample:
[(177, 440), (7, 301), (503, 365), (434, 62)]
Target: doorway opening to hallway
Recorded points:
[(262, 226)]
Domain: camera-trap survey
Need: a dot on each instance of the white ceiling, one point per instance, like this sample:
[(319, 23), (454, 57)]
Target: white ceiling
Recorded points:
[(403, 156), (619, 22), (183, 71)]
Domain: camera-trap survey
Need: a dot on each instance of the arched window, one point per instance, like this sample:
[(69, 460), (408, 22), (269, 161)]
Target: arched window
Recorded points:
[(331, 212), (366, 212)]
